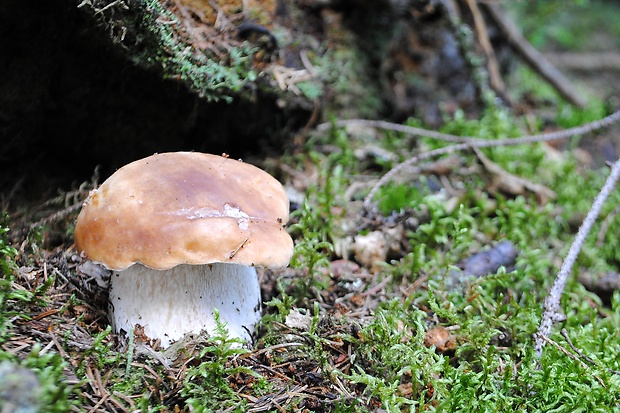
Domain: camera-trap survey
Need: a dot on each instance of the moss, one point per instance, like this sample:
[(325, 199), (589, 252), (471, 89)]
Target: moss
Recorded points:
[(492, 367), (155, 38), (212, 79)]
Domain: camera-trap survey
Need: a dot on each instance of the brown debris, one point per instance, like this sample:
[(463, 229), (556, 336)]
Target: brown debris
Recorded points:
[(441, 338), (504, 181)]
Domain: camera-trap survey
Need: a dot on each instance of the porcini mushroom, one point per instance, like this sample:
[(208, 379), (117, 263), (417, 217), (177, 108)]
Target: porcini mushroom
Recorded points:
[(182, 233)]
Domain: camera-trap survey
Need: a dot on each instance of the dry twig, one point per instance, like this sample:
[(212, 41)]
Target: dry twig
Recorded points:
[(533, 57), (586, 61), (571, 355), (552, 311), (483, 37), (583, 356), (467, 142)]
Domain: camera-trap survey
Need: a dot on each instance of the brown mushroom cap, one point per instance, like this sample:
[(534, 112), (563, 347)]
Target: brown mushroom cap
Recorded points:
[(186, 208)]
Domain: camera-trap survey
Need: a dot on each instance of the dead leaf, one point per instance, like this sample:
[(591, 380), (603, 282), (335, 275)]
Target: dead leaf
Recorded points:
[(441, 338), (370, 250), (405, 389), (297, 320)]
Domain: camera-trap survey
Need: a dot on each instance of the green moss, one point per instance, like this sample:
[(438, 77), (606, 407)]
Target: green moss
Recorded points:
[(206, 388), (564, 24), (7, 252), (492, 366), (42, 374), (212, 79)]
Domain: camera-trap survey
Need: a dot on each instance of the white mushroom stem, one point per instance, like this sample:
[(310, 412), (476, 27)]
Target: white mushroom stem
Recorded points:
[(174, 302)]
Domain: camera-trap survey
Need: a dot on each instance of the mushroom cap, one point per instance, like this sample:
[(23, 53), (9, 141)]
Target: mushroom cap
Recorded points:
[(185, 208)]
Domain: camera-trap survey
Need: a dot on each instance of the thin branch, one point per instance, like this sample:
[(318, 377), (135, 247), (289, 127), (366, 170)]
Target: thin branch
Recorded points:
[(410, 130), (415, 131), (533, 57), (574, 357), (483, 37), (56, 216), (466, 142), (586, 61), (552, 311), (564, 333), (409, 162)]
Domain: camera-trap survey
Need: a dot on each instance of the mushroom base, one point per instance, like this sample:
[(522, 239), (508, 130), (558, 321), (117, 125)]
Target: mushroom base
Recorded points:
[(171, 303)]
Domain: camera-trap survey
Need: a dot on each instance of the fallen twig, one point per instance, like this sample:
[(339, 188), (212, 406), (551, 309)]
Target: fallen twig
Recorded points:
[(552, 310), (377, 288), (583, 356), (495, 77), (506, 182), (574, 357), (410, 130), (56, 216), (415, 131), (586, 61), (533, 57), (468, 142)]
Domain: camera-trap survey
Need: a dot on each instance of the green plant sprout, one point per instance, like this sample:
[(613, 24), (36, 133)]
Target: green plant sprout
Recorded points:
[(206, 387)]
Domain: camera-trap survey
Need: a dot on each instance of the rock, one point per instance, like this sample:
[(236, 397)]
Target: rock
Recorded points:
[(19, 389)]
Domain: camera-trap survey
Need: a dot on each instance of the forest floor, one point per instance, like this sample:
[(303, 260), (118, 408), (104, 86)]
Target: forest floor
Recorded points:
[(427, 300)]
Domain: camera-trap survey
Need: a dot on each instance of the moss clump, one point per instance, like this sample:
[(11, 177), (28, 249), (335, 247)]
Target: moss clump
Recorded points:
[(212, 78)]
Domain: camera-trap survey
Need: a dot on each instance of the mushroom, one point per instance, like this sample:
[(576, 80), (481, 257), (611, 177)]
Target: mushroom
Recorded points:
[(182, 233)]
